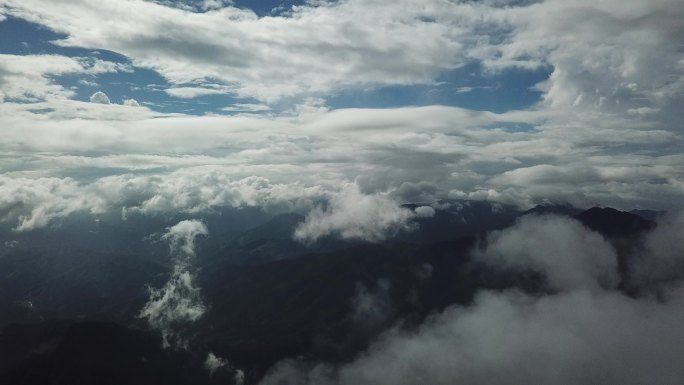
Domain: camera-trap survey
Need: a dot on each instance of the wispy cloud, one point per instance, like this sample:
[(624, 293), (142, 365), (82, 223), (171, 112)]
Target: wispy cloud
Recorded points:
[(178, 303)]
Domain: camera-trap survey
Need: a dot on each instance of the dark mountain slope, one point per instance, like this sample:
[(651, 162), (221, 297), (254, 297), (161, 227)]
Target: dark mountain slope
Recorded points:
[(614, 223), (106, 354), (557, 209)]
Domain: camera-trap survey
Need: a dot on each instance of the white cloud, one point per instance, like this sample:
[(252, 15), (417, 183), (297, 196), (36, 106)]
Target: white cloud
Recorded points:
[(247, 107), (131, 103), (100, 98), (583, 152), (568, 254), (27, 78), (95, 66), (353, 215), (88, 83), (172, 306), (30, 203), (413, 155), (178, 302), (350, 43), (425, 212), (194, 92), (609, 56), (181, 236), (213, 363)]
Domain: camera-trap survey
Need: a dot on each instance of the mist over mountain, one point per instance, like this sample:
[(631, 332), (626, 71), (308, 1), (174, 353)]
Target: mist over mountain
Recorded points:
[(257, 303)]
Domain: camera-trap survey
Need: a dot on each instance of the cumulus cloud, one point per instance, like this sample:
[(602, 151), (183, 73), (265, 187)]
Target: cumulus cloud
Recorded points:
[(174, 305), (212, 363), (163, 161), (661, 259), (178, 302), (366, 35), (181, 236), (424, 212), (568, 254), (352, 215), (580, 338), (100, 98), (30, 78), (131, 103), (577, 149), (30, 203), (27, 78), (583, 334)]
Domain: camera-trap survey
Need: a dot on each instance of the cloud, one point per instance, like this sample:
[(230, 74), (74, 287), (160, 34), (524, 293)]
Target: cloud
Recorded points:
[(661, 259), (582, 150), (424, 212), (581, 338), (246, 107), (611, 57), (583, 334), (34, 203), (30, 78), (30, 203), (100, 98), (352, 215), (27, 78), (194, 92), (352, 43), (167, 163), (95, 66), (131, 103), (173, 306), (212, 363), (178, 302), (568, 254), (372, 308), (181, 236)]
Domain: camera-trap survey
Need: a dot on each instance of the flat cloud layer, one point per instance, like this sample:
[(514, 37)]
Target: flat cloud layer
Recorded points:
[(584, 334)]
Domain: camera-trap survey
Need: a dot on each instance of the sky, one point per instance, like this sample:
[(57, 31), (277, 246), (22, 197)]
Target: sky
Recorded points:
[(342, 110)]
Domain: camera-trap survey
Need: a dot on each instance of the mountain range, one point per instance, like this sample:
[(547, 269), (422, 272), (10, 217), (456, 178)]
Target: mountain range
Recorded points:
[(71, 295)]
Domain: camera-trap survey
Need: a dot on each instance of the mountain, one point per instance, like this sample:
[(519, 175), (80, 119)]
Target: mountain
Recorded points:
[(68, 310), (651, 215), (563, 209), (614, 223), (100, 353), (73, 282), (454, 219)]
